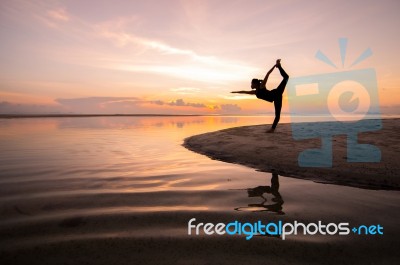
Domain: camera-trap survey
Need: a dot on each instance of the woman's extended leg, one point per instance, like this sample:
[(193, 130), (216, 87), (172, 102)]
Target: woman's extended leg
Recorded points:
[(282, 85)]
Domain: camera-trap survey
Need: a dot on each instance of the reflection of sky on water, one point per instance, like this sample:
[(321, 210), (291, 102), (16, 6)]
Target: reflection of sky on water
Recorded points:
[(53, 169), (174, 121)]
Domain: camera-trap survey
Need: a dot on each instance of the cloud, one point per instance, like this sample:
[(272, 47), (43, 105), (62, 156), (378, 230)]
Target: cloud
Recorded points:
[(178, 103), (171, 59), (122, 105), (93, 100), (103, 104), (125, 43), (115, 105), (117, 31), (157, 102), (237, 97), (58, 14), (16, 108), (185, 90), (191, 71), (196, 105), (230, 108), (54, 17)]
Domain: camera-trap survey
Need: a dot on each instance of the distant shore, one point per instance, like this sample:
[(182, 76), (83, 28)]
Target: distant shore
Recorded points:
[(16, 116), (74, 115), (278, 152)]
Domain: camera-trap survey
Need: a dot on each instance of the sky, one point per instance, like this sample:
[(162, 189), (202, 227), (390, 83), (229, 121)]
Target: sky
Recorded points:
[(184, 57)]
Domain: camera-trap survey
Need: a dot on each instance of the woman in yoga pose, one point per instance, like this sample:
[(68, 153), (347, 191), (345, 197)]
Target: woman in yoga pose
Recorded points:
[(274, 95)]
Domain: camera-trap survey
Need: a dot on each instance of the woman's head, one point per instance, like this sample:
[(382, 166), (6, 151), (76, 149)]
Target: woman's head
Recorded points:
[(255, 83)]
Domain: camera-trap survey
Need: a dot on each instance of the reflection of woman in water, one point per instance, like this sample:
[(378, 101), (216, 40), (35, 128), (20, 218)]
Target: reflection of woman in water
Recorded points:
[(274, 95), (259, 191)]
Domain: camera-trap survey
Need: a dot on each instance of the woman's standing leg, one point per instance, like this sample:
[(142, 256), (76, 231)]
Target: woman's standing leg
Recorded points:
[(278, 96), (278, 108)]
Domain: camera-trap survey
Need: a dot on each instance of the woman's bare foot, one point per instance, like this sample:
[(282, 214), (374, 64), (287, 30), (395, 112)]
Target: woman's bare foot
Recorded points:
[(270, 130), (278, 63)]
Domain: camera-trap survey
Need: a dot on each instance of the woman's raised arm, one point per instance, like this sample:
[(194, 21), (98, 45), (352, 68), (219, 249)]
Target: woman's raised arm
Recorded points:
[(264, 82), (251, 92)]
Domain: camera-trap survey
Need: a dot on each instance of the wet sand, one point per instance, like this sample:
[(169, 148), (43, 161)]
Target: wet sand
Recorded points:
[(151, 227), (251, 146)]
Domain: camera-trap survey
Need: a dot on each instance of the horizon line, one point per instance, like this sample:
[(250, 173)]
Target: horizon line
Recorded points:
[(67, 115)]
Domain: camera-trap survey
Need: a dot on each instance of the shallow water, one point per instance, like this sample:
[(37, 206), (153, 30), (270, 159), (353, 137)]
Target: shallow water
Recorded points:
[(130, 177)]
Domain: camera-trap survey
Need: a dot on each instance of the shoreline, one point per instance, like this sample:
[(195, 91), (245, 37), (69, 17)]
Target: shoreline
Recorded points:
[(252, 147), (20, 116), (72, 115)]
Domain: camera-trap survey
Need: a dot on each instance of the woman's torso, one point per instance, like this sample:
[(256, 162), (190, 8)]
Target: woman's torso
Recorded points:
[(265, 94)]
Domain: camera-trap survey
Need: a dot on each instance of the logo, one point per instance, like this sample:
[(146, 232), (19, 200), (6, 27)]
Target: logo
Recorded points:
[(348, 100), (280, 229)]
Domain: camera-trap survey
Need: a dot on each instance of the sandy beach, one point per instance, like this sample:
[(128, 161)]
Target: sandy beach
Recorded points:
[(252, 147)]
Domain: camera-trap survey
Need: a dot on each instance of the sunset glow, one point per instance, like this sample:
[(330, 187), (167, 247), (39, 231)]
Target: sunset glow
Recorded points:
[(182, 57)]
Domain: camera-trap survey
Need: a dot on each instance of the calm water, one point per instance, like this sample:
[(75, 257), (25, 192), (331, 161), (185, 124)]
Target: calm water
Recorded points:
[(101, 177)]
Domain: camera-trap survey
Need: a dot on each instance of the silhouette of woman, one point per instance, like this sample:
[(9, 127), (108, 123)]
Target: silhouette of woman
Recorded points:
[(274, 95), (259, 191)]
